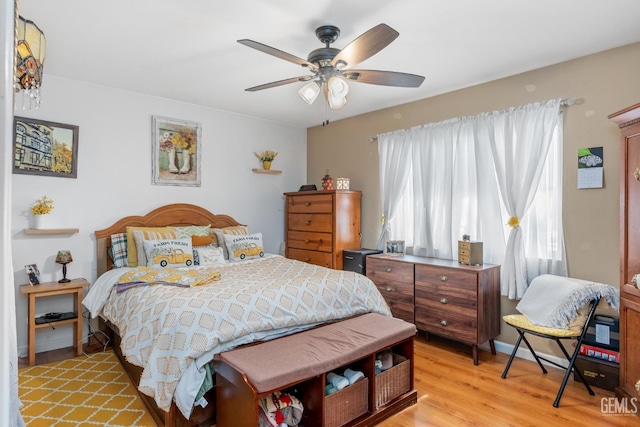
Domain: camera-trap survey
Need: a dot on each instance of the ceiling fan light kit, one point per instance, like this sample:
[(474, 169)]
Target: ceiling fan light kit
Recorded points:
[(332, 67), (309, 92)]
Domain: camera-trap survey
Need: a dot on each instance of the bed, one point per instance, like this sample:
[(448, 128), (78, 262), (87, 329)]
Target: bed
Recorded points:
[(165, 336)]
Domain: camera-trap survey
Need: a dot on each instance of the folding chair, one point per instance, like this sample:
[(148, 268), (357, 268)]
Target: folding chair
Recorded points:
[(524, 326)]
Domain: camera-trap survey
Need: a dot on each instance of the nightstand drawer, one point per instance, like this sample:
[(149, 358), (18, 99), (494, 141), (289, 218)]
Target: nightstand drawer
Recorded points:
[(312, 203), (310, 222), (309, 240), (312, 257)]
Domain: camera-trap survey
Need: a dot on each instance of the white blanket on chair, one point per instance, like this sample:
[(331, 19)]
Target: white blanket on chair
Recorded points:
[(554, 301)]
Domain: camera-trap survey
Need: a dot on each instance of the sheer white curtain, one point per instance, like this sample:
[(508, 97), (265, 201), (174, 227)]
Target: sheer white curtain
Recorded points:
[(519, 147), (468, 176), (394, 153)]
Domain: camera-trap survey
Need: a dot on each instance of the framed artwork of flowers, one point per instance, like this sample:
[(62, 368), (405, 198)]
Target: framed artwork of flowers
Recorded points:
[(176, 152), (45, 148)]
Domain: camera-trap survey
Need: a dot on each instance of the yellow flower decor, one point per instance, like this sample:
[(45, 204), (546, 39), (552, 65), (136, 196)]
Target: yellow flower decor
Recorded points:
[(43, 206), (513, 222), (185, 140), (266, 156)]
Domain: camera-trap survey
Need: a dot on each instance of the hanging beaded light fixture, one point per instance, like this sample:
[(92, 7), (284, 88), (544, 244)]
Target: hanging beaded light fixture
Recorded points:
[(30, 53)]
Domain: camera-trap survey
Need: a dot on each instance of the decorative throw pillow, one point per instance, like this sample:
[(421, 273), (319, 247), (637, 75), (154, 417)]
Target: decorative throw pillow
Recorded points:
[(208, 255), (135, 237), (238, 230), (169, 253), (118, 251), (244, 247), (201, 241), (192, 230)]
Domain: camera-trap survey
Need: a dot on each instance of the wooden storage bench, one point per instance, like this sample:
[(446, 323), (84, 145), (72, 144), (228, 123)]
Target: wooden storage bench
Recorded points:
[(299, 364)]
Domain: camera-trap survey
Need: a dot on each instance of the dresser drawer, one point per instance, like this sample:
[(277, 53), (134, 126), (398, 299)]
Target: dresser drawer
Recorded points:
[(385, 270), (310, 203), (309, 240), (323, 259), (310, 222), (394, 280), (459, 324), (437, 276)]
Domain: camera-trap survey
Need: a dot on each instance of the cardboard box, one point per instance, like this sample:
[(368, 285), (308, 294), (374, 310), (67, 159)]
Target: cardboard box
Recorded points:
[(597, 372)]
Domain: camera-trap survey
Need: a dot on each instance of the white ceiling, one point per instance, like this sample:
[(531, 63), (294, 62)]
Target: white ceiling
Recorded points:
[(186, 50)]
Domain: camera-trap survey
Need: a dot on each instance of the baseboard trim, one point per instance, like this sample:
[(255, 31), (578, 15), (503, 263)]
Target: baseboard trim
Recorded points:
[(525, 353)]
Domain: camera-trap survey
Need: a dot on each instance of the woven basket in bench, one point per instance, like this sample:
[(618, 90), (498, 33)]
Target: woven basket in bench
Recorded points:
[(393, 382), (347, 404)]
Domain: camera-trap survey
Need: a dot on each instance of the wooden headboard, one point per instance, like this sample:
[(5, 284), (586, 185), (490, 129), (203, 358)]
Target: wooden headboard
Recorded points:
[(177, 214)]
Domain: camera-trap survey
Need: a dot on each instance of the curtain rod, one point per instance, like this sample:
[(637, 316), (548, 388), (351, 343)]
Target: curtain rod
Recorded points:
[(563, 103)]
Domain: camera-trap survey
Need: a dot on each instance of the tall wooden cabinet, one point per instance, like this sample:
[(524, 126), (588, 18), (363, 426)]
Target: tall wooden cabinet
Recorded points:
[(629, 122), (321, 224)]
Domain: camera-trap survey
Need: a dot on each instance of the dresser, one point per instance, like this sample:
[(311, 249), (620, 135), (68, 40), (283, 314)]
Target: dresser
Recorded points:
[(319, 225), (628, 121), (442, 297)]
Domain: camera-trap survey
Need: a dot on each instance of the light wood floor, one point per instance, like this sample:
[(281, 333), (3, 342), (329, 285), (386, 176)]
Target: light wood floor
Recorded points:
[(454, 392)]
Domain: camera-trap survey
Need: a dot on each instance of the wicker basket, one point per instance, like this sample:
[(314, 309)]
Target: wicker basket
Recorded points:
[(393, 382), (347, 404)]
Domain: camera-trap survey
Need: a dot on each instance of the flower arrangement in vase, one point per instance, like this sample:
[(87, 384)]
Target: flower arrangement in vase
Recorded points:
[(42, 207), (266, 157), (185, 141)]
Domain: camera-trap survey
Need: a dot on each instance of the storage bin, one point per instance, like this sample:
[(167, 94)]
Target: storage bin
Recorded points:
[(347, 404), (393, 382), (597, 373)]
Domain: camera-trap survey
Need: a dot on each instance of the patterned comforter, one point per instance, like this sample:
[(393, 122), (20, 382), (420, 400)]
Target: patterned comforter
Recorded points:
[(172, 332)]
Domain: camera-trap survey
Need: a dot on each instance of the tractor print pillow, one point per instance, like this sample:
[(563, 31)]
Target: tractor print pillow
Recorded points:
[(243, 247), (169, 253)]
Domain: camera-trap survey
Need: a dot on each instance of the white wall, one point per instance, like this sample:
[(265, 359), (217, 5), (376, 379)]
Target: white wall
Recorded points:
[(114, 180)]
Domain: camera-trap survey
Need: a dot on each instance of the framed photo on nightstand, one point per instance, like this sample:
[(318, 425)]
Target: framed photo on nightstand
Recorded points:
[(33, 274)]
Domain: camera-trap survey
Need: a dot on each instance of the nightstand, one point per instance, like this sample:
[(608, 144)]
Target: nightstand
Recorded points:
[(47, 290)]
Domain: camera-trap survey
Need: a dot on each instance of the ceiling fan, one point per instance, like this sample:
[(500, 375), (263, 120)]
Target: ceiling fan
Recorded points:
[(332, 68)]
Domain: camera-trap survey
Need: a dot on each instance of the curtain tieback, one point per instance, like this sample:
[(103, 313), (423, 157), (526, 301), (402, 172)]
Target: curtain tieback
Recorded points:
[(382, 218), (514, 222)]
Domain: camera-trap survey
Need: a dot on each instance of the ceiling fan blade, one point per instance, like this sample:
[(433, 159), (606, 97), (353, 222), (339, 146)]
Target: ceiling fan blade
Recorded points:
[(279, 83), (384, 78), (278, 53), (365, 46)]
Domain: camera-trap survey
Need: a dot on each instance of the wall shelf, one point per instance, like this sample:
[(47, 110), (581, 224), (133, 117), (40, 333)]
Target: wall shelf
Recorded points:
[(49, 231), (269, 171)]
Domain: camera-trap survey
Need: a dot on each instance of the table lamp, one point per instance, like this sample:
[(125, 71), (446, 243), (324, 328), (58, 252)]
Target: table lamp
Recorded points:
[(64, 258)]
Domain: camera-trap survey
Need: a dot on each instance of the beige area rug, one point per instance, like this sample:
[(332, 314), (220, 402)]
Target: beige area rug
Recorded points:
[(84, 391)]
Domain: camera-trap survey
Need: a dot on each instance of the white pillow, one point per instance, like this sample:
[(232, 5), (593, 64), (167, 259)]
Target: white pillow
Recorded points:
[(244, 247), (169, 253), (209, 255)]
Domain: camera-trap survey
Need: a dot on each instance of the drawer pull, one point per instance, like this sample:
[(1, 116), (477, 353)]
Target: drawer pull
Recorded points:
[(307, 240), (307, 259), (388, 269), (444, 301), (309, 222), (307, 204), (388, 289), (443, 278), (638, 386), (444, 323), (347, 256)]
